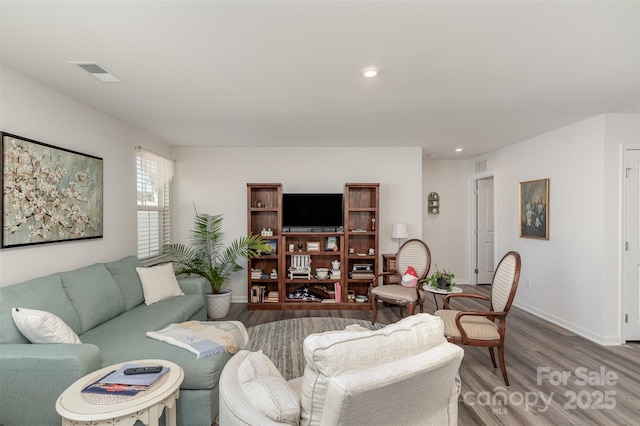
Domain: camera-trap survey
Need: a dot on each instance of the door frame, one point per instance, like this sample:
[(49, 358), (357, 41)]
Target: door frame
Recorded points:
[(473, 215), (622, 238)]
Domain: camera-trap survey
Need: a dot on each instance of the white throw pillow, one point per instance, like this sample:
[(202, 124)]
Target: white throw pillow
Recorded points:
[(159, 283), (263, 385), (42, 327)]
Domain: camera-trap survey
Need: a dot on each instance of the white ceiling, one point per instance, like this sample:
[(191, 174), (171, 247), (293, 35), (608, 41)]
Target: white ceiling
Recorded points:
[(477, 74)]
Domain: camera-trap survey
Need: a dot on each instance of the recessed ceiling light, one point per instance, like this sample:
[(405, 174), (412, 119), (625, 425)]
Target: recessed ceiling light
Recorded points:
[(459, 149), (370, 72), (97, 71)]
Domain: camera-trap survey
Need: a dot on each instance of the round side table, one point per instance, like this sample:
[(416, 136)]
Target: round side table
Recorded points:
[(436, 291), (147, 406)]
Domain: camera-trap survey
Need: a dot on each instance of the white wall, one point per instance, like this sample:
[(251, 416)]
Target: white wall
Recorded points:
[(215, 179), (447, 233), (574, 277), (39, 113)]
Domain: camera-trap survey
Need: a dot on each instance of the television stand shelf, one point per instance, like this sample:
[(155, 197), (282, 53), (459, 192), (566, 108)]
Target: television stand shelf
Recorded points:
[(320, 249)]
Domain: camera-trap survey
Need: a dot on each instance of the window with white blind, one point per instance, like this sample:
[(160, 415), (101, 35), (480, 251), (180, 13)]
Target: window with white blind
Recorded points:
[(153, 181)]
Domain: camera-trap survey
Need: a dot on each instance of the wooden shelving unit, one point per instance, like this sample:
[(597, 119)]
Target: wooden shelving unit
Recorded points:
[(361, 234), (264, 212)]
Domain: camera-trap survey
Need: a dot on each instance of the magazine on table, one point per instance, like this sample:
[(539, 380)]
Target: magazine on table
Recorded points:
[(118, 383)]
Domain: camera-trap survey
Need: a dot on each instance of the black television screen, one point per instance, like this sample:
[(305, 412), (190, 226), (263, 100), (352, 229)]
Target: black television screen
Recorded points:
[(312, 212)]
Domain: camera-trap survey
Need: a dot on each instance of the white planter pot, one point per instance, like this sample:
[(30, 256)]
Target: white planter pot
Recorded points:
[(218, 305)]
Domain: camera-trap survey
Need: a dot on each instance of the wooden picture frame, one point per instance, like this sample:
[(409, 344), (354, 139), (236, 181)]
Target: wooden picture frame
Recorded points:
[(534, 209), (313, 246), (50, 194), (274, 247)]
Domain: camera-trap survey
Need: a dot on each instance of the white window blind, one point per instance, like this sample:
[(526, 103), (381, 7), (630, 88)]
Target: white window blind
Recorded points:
[(153, 181)]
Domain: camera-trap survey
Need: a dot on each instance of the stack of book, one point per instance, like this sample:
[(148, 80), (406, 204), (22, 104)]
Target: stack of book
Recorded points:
[(256, 274), (361, 275), (118, 383), (258, 293), (272, 297)]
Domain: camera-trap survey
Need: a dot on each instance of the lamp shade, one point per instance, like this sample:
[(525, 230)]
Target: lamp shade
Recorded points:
[(399, 231)]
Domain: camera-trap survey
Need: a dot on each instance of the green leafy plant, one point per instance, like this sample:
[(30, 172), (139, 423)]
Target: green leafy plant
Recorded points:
[(441, 278), (208, 257)]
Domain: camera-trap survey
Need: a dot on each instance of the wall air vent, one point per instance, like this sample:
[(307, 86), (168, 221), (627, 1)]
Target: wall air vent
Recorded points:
[(97, 71), (481, 166)]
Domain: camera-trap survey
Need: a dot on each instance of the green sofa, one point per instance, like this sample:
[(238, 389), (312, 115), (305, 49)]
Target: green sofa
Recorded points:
[(104, 304)]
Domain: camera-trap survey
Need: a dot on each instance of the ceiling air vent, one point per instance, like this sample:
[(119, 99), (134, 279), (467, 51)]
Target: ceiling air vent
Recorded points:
[(97, 71), (481, 166)]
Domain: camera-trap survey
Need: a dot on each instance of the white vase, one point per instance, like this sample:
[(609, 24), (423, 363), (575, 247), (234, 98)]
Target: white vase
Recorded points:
[(218, 304)]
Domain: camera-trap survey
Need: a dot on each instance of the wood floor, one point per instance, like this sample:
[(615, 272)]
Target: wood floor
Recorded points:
[(581, 382)]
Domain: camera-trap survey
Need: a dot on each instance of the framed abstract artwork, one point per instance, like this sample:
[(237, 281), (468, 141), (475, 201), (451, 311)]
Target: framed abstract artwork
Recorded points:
[(534, 209), (49, 194)]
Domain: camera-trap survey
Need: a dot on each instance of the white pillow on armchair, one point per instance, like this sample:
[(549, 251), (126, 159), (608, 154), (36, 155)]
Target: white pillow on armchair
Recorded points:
[(263, 385)]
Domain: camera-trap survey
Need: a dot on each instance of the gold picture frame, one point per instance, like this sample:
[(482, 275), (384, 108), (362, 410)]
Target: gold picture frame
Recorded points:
[(534, 209), (313, 246)]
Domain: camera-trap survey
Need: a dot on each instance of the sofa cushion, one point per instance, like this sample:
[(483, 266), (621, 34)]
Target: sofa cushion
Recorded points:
[(159, 283), (129, 329), (42, 327), (44, 293), (94, 294), (125, 275), (263, 385), (359, 350)]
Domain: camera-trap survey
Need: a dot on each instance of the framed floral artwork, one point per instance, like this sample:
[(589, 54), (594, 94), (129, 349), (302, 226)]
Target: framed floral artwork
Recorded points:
[(534, 209), (49, 194)]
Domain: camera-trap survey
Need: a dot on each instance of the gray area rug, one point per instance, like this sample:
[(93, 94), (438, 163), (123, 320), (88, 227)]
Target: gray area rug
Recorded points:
[(282, 341)]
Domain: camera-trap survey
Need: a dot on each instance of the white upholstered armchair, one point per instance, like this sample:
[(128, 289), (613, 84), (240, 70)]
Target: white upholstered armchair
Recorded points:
[(405, 373)]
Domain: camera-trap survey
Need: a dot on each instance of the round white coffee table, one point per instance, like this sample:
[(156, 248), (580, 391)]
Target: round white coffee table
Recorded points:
[(147, 406), (436, 291)]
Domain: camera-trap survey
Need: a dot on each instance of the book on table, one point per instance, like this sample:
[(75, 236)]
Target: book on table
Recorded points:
[(118, 383)]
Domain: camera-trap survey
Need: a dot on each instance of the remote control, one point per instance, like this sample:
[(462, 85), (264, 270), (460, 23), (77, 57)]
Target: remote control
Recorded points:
[(143, 370)]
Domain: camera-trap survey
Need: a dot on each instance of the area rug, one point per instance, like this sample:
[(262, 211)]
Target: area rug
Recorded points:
[(282, 341)]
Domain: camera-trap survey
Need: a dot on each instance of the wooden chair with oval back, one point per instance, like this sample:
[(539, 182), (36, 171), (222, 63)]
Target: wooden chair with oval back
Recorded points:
[(413, 253), (485, 328)]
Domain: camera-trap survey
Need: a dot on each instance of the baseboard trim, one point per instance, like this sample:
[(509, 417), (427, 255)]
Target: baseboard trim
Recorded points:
[(580, 331)]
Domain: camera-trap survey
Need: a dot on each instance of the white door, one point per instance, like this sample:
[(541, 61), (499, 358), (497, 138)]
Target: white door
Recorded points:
[(484, 231), (632, 245)]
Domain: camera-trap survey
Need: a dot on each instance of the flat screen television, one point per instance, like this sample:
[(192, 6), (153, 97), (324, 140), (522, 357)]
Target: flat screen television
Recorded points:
[(312, 212)]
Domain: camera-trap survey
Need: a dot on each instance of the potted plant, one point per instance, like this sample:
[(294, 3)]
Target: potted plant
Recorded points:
[(441, 279), (209, 258)]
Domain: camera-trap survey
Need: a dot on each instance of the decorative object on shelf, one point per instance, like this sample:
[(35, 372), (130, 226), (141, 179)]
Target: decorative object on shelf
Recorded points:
[(372, 251), (259, 204), (433, 203), (351, 296), (299, 246), (441, 279), (207, 256), (51, 194), (300, 266), (313, 246), (331, 243), (273, 244), (373, 224), (534, 209), (399, 232), (291, 247), (322, 273)]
